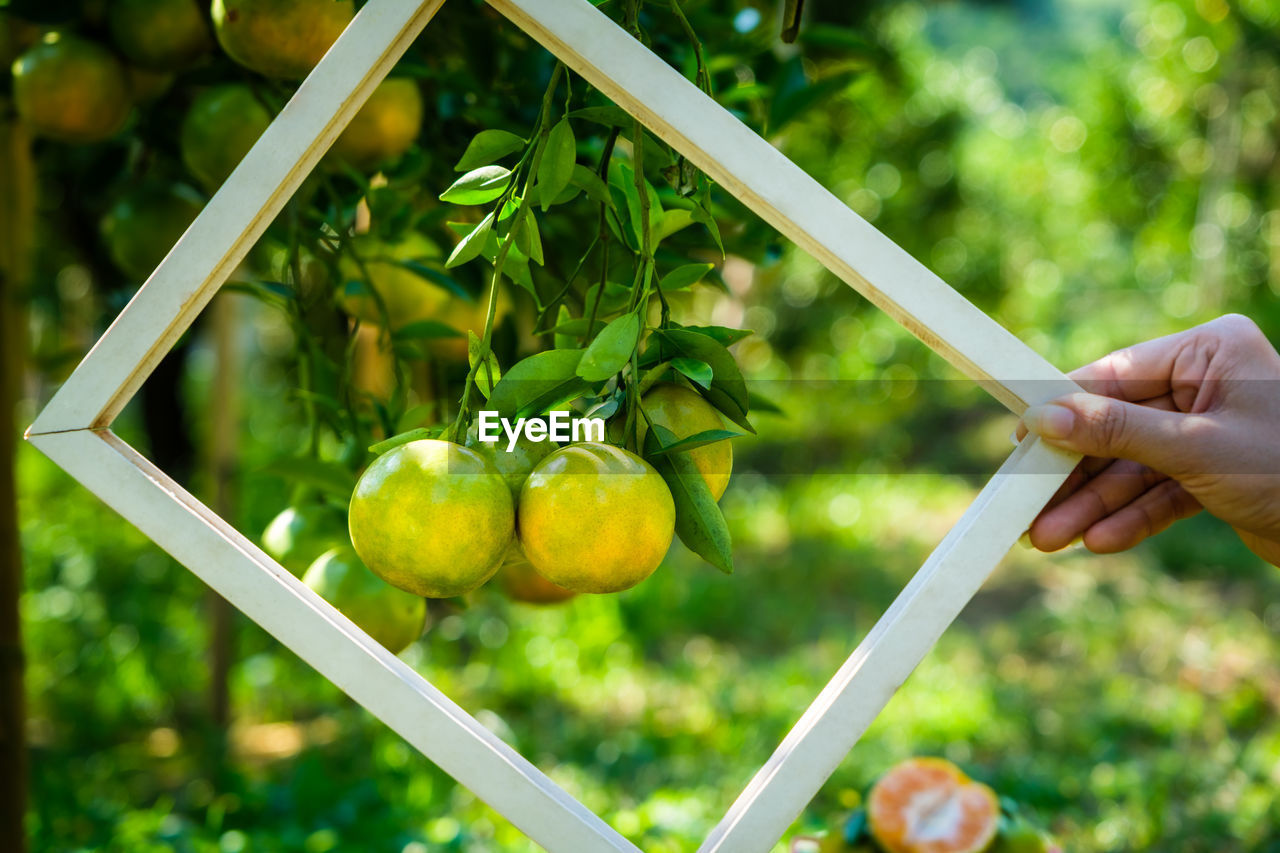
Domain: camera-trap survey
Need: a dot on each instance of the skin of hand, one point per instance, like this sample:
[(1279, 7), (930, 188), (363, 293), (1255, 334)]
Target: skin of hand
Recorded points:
[(1169, 427)]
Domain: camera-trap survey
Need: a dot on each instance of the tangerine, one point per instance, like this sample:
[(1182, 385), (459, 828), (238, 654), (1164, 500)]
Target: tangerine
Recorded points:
[(595, 518), (391, 616), (927, 805), (432, 517), (280, 38), (686, 413), (72, 89)]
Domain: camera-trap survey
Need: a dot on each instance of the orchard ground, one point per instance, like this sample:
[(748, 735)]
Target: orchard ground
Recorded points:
[(1130, 708)]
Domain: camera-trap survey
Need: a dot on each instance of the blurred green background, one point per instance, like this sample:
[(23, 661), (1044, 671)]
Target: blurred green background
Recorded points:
[(1089, 172)]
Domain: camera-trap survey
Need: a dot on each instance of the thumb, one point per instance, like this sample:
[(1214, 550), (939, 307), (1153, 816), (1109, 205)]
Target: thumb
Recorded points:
[(1111, 428)]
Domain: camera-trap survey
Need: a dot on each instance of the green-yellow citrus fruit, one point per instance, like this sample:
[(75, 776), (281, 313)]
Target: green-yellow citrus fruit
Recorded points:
[(385, 126), (163, 35), (221, 126), (300, 534), (595, 518), (927, 805), (514, 465), (523, 583), (72, 89), (686, 413), (391, 616), (407, 296), (432, 517), (280, 38), (143, 225), (146, 85)]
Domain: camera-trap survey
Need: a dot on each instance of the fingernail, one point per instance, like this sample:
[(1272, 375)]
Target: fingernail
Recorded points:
[(1050, 421), (1013, 438)]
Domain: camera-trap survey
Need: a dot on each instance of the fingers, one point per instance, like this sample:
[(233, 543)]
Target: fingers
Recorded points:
[(1151, 513), (1110, 428), (1090, 500), (1177, 364), (1135, 373)]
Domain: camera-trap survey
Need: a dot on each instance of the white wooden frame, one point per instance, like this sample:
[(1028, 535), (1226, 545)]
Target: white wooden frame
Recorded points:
[(74, 429)]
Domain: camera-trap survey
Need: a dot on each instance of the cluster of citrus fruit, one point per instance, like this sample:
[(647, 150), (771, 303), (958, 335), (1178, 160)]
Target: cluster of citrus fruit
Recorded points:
[(928, 805), (439, 519), (73, 87), (436, 519)]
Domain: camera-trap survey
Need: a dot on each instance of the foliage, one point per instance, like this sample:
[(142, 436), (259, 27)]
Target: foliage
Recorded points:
[(1090, 172)]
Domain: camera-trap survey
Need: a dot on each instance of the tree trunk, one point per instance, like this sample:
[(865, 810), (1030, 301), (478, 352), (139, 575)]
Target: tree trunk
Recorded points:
[(224, 415), (17, 200)]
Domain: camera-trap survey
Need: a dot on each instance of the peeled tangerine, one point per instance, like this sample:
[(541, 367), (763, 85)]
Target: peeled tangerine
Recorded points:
[(927, 805), (432, 518)]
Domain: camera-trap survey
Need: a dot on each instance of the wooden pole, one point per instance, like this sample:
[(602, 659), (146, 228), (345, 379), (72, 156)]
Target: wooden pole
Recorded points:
[(17, 200)]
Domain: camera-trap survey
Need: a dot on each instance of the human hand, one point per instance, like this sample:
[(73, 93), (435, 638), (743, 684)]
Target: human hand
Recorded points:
[(1170, 426)]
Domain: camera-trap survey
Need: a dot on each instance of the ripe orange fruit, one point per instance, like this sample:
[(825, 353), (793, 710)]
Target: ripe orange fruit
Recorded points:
[(927, 805), (391, 616), (432, 517), (280, 38), (595, 518), (72, 89), (384, 128), (523, 583), (221, 126), (686, 413), (300, 534), (143, 225), (161, 35)]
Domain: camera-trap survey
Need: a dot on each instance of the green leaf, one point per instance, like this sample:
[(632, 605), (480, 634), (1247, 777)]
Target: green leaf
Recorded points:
[(270, 292), (478, 186), (614, 299), (488, 373), (699, 372), (404, 438), (326, 476), (590, 183), (472, 244), (558, 158), (685, 276), (786, 106), (699, 522), (486, 147), (424, 330), (538, 383), (698, 439), (764, 404), (676, 219), (564, 340), (611, 349), (728, 390), (432, 275), (722, 335), (703, 213), (528, 240), (576, 327), (609, 116)]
